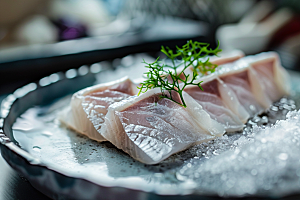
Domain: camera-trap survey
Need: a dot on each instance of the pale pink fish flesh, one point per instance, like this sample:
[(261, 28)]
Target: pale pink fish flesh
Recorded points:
[(150, 128), (271, 74), (220, 105), (89, 106), (240, 84)]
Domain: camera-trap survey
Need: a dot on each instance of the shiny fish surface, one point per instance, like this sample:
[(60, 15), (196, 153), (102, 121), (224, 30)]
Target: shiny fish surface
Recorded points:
[(150, 128), (221, 104), (89, 106)]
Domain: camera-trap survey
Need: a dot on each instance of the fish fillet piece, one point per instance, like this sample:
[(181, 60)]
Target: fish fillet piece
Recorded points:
[(244, 83), (220, 102), (225, 57), (240, 84), (271, 75), (150, 128), (89, 106), (222, 58)]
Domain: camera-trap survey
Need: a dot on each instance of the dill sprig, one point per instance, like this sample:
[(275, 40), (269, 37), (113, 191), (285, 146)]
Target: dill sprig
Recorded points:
[(174, 77)]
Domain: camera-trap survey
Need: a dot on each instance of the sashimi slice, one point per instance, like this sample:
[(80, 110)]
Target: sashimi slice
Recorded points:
[(244, 82), (89, 106), (272, 76), (240, 84), (221, 103), (150, 128), (225, 57), (221, 59)]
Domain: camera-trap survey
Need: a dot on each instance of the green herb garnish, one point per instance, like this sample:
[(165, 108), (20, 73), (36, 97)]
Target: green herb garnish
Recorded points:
[(168, 77)]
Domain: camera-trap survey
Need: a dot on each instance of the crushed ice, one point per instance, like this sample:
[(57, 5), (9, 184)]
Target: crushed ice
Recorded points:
[(263, 160)]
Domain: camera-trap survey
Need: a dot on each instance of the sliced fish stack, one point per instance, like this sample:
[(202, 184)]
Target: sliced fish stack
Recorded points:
[(241, 89), (150, 128)]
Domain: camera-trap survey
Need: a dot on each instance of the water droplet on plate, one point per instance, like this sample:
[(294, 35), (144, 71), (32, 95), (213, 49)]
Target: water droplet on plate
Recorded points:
[(252, 107), (254, 172), (283, 156), (263, 140), (47, 133), (36, 148)]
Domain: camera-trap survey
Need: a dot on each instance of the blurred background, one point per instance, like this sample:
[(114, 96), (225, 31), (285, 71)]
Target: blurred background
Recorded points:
[(41, 37)]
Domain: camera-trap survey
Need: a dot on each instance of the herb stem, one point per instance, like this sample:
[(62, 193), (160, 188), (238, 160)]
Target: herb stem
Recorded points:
[(168, 79)]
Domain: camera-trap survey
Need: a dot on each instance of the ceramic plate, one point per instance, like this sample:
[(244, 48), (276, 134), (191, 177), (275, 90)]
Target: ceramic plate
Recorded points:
[(64, 165)]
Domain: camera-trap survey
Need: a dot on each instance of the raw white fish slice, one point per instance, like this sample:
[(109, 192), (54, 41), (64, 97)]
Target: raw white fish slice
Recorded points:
[(222, 58), (89, 106), (220, 102), (257, 88), (244, 82), (225, 57), (231, 101), (241, 87), (271, 75), (150, 128)]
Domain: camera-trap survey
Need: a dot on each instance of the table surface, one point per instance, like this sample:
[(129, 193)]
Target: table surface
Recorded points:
[(15, 187)]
